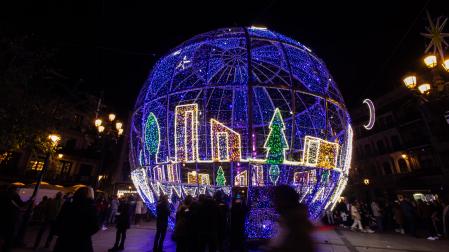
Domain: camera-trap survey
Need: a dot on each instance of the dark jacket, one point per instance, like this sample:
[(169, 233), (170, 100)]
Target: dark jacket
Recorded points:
[(124, 217), (76, 223), (162, 211)]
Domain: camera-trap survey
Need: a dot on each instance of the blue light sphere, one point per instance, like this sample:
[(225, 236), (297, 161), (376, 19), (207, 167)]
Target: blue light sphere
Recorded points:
[(239, 111)]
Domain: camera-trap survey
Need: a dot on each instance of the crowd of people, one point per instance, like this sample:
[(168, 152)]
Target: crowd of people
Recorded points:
[(419, 218), (204, 223), (73, 218), (208, 223)]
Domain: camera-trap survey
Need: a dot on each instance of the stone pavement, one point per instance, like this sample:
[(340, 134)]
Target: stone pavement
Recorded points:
[(140, 239)]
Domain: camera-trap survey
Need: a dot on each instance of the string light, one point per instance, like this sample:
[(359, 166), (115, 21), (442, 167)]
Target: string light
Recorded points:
[(372, 114), (226, 144), (186, 132), (257, 179), (320, 153), (198, 178), (152, 136), (317, 132), (172, 173), (241, 179), (220, 180), (276, 143), (274, 174)]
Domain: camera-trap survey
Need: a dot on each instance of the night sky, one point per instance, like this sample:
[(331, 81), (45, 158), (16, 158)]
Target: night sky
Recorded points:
[(113, 44)]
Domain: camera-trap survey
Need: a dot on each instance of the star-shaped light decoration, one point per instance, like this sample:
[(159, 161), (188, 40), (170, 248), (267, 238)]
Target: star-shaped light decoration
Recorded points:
[(183, 63), (436, 35)]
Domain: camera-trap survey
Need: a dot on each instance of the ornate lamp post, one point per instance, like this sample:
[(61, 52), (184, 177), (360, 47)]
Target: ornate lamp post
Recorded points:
[(108, 128), (435, 61), (434, 94)]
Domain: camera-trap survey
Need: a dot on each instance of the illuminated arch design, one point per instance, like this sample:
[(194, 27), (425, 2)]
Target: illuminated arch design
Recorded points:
[(209, 103), (241, 179), (186, 133), (226, 145), (320, 153), (257, 177)]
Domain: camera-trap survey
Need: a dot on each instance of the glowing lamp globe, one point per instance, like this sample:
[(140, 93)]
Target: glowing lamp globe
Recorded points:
[(235, 112)]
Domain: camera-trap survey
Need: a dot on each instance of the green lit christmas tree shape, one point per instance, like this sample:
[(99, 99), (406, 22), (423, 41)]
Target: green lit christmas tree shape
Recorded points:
[(276, 143), (152, 137), (220, 180)]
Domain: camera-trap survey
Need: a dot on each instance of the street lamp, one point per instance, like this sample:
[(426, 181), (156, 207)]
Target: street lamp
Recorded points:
[(366, 181), (118, 125), (112, 128), (98, 122), (424, 88), (54, 139), (434, 60), (445, 64), (430, 61), (410, 81), (101, 129)]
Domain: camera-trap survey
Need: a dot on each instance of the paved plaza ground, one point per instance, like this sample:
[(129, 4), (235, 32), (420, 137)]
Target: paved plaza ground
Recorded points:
[(140, 239)]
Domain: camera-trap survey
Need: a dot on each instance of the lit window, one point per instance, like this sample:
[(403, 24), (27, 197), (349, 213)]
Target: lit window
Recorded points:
[(36, 165)]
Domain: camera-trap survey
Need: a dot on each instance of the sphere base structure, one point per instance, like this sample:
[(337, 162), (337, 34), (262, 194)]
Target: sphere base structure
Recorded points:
[(241, 110)]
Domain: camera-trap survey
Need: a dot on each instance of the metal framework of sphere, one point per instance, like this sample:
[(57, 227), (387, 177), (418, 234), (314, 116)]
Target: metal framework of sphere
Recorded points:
[(241, 110)]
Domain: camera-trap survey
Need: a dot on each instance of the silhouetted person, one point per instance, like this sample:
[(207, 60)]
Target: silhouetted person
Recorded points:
[(377, 213), (207, 225), (183, 234), (52, 208), (222, 219), (10, 206), (238, 216), (113, 209), (123, 224), (102, 211), (294, 226), (409, 215), (77, 222), (162, 212)]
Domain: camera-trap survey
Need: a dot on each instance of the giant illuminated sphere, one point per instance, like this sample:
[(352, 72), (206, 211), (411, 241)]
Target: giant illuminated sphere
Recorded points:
[(240, 110)]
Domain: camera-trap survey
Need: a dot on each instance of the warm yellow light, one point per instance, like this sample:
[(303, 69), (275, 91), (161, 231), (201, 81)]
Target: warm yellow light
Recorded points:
[(111, 117), (120, 131), (410, 81), (118, 125), (98, 122), (446, 65), (100, 128), (366, 181), (54, 138), (424, 88), (404, 155), (60, 155), (430, 61)]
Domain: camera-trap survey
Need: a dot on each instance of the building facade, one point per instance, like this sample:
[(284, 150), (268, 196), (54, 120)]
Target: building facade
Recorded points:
[(83, 157), (406, 152)]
